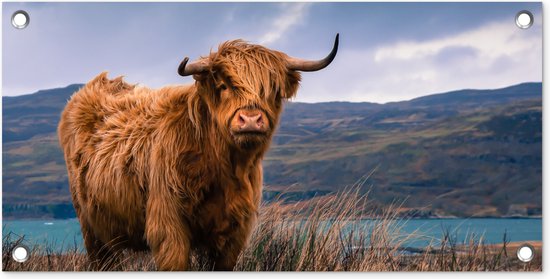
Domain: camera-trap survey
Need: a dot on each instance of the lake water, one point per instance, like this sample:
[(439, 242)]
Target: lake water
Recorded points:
[(65, 234)]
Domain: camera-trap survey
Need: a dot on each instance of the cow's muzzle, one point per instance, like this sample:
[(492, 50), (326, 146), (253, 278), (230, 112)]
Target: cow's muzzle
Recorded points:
[(249, 121)]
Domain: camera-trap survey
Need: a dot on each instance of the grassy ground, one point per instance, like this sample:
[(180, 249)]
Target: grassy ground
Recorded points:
[(325, 235)]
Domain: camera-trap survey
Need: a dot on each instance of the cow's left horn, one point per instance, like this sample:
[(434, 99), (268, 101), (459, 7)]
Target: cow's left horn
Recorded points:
[(196, 67), (311, 66)]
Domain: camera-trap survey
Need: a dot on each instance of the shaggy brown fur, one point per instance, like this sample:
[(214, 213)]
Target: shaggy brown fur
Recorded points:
[(162, 169)]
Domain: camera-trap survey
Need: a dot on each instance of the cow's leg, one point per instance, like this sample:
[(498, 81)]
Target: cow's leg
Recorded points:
[(226, 258), (101, 255), (167, 235), (170, 245)]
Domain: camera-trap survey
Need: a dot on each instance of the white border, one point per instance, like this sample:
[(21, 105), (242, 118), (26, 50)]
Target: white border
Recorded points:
[(438, 275)]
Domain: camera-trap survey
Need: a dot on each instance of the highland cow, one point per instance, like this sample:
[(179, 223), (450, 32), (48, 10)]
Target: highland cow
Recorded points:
[(179, 168)]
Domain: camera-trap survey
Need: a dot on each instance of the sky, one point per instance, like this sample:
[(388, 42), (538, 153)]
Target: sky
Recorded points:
[(388, 51)]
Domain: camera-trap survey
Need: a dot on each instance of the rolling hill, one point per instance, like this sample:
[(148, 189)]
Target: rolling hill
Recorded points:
[(461, 153)]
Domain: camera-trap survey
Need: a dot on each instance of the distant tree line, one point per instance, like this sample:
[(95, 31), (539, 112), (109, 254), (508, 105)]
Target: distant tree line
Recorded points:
[(55, 211)]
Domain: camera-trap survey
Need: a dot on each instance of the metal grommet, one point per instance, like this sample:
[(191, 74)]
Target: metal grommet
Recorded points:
[(524, 19), (20, 254), (20, 19), (525, 253)]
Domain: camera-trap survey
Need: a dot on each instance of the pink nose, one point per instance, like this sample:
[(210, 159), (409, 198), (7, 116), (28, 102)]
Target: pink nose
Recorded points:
[(250, 122)]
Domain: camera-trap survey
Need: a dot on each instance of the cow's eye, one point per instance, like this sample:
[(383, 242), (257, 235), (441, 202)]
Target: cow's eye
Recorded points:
[(223, 87)]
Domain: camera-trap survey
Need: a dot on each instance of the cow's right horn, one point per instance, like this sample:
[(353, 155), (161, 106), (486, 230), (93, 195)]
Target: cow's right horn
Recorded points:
[(196, 67), (298, 64)]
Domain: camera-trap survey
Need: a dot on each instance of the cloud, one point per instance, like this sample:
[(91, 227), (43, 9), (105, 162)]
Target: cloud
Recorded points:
[(291, 15), (492, 40), (494, 55)]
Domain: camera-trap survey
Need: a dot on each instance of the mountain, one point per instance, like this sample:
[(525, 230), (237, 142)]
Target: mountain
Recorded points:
[(35, 114), (461, 153)]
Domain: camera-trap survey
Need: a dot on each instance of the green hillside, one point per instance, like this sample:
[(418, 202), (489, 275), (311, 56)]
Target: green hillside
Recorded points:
[(463, 153)]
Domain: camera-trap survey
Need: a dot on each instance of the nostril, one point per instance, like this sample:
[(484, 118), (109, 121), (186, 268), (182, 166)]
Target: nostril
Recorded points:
[(241, 119), (260, 120)]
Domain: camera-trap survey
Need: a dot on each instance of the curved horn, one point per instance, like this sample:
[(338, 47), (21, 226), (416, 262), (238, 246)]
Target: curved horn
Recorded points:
[(312, 65), (196, 67)]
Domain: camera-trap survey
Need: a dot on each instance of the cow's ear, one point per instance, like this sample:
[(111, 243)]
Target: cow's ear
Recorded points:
[(292, 84)]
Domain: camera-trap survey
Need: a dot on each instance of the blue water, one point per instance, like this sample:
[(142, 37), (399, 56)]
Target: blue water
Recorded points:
[(489, 230), (61, 234), (65, 234)]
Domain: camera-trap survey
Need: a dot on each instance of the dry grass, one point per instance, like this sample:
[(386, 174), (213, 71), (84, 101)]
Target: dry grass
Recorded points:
[(327, 235)]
